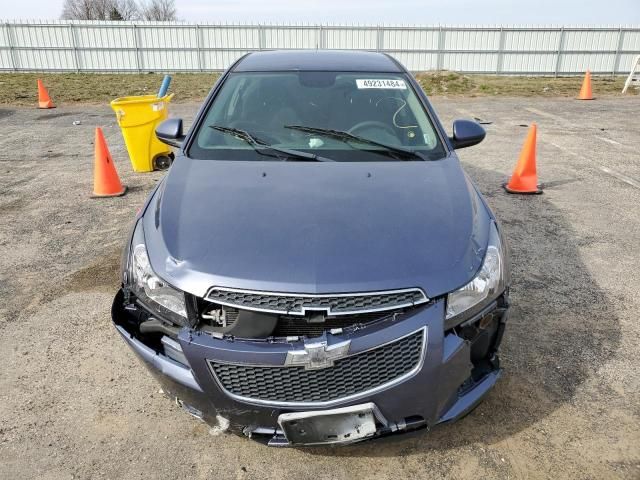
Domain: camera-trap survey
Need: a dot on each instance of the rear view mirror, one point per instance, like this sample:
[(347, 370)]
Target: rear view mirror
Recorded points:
[(466, 133), (170, 132)]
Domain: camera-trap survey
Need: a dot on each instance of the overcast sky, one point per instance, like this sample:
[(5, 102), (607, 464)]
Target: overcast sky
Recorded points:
[(378, 11)]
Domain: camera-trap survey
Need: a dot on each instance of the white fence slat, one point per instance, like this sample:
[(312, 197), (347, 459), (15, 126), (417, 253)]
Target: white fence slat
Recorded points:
[(104, 46)]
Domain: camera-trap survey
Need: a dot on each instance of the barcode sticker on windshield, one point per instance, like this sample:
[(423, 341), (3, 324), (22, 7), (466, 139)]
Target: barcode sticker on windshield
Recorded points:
[(381, 83)]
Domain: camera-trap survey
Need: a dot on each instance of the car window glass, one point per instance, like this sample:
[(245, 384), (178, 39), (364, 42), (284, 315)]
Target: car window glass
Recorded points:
[(380, 107)]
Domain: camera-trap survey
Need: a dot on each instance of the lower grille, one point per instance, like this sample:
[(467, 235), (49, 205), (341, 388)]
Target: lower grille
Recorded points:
[(353, 375)]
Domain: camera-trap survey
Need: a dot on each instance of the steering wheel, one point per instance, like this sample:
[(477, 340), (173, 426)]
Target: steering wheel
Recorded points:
[(372, 125)]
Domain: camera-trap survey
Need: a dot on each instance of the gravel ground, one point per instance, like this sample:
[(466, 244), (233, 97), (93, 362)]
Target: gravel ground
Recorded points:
[(75, 402)]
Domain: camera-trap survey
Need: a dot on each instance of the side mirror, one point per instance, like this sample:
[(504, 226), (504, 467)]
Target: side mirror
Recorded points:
[(466, 133), (170, 132)]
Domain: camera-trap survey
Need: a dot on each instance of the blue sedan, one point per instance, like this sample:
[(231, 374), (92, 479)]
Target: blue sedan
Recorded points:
[(316, 267)]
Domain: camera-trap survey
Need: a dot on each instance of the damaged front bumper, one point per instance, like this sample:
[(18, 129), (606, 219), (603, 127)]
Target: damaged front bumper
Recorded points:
[(250, 388)]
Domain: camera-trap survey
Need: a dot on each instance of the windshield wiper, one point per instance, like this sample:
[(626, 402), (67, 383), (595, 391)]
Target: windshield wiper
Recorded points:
[(350, 137), (259, 145)]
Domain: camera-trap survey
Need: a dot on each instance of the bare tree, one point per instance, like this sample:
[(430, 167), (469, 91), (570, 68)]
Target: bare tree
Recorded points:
[(100, 10), (158, 10), (128, 9), (78, 10), (103, 9)]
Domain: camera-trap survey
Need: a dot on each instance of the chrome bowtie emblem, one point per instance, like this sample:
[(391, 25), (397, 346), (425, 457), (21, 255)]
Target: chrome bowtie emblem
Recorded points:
[(317, 355)]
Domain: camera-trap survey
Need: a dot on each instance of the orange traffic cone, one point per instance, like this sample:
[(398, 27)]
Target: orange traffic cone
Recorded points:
[(585, 91), (106, 182), (44, 101), (525, 178)]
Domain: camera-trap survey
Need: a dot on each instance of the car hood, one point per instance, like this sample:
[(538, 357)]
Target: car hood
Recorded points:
[(312, 227)]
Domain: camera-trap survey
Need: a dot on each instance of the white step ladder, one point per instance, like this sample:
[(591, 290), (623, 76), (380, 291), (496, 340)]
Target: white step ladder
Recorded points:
[(633, 78)]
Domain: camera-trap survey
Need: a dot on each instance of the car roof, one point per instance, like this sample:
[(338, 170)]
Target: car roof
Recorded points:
[(318, 61)]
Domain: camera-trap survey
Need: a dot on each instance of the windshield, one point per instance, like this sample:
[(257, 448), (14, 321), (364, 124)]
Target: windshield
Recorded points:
[(341, 116)]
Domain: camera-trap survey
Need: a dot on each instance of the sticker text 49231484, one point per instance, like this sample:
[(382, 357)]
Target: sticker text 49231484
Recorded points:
[(381, 83)]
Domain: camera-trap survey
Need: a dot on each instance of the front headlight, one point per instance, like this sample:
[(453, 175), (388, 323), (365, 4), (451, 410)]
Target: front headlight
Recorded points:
[(151, 290), (489, 282)]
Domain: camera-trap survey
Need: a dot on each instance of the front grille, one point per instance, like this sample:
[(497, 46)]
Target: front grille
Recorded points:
[(332, 304), (349, 376)]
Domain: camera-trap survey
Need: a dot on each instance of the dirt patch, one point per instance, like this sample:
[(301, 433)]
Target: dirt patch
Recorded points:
[(93, 88), (102, 275), (452, 83), (49, 116), (53, 155), (12, 206)]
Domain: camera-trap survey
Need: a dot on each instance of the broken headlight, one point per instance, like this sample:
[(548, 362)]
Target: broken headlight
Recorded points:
[(486, 286), (153, 292)]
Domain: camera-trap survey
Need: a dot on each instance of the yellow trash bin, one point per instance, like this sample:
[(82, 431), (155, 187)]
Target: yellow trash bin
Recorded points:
[(138, 118)]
